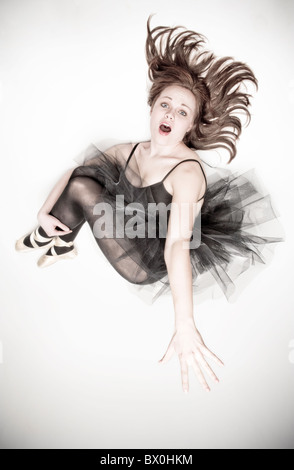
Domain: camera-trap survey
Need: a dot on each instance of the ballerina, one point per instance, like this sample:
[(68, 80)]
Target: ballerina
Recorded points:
[(150, 205)]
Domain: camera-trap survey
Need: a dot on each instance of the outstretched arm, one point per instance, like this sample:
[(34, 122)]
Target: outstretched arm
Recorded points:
[(186, 341)]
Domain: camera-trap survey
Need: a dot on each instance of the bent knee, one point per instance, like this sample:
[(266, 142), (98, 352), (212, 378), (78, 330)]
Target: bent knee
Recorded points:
[(83, 184)]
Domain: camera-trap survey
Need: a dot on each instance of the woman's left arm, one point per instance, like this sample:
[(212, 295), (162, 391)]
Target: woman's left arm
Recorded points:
[(186, 341)]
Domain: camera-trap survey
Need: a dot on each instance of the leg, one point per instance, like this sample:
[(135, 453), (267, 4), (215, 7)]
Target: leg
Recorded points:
[(76, 205), (73, 208)]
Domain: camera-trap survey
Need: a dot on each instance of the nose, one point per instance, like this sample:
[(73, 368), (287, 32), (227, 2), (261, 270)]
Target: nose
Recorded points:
[(169, 115)]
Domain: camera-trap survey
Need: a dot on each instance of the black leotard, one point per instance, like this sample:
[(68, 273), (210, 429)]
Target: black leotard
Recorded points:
[(160, 193)]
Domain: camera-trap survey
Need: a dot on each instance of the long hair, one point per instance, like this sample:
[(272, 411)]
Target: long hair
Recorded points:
[(218, 84)]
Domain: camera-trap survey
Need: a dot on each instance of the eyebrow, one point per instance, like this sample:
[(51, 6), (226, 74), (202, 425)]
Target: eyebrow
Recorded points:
[(181, 104)]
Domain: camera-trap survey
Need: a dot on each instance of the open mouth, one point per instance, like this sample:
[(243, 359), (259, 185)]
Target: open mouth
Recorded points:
[(164, 129)]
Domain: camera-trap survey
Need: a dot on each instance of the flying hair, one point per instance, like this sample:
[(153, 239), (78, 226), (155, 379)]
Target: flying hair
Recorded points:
[(176, 56)]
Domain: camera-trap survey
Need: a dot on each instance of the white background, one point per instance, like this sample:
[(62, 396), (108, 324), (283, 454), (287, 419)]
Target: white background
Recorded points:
[(79, 349)]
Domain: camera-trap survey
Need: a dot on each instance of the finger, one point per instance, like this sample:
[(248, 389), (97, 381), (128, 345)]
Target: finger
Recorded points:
[(207, 367), (61, 232), (58, 233), (212, 356), (168, 355), (184, 375), (63, 227), (200, 376)]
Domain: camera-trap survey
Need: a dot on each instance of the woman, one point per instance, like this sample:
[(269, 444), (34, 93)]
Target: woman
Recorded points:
[(193, 228)]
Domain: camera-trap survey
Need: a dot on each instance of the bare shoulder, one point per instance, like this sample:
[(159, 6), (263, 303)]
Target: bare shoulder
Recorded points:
[(189, 153), (187, 171), (187, 167), (187, 177)]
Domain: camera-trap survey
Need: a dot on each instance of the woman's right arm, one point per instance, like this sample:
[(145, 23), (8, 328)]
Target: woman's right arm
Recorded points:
[(47, 221)]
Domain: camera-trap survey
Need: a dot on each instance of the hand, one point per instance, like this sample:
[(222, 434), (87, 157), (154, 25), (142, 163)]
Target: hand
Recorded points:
[(49, 224), (188, 344)]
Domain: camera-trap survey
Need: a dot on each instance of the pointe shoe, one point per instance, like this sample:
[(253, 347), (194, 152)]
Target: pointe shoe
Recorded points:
[(34, 237), (47, 260)]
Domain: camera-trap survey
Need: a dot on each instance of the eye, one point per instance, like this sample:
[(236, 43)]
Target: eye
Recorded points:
[(183, 113), (164, 105)]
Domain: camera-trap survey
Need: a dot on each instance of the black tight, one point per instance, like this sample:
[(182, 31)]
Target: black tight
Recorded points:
[(76, 205)]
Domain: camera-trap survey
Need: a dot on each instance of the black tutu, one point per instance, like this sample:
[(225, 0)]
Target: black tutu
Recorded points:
[(238, 227)]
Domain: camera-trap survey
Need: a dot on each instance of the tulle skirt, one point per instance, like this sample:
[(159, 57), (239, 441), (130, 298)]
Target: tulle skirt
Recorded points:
[(240, 230), (237, 230)]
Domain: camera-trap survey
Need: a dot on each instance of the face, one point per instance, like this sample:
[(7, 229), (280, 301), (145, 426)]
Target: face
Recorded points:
[(172, 115)]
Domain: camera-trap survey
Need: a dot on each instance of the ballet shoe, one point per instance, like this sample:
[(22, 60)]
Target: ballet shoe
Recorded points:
[(34, 238), (48, 260)]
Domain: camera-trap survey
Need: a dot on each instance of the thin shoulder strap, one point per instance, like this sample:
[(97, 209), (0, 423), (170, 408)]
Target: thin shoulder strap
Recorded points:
[(188, 160), (131, 154)]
